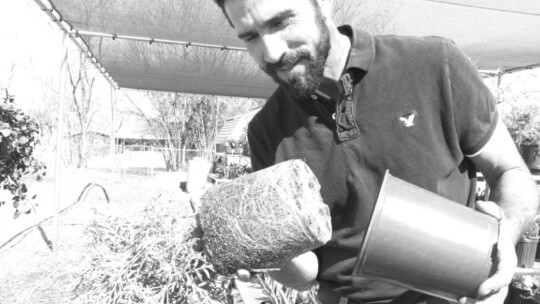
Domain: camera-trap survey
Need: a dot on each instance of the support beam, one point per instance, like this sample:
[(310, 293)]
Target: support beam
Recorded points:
[(500, 71), (113, 139), (59, 147), (78, 32)]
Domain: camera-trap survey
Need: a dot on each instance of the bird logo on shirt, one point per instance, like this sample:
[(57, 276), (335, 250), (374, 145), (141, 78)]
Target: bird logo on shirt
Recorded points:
[(408, 119)]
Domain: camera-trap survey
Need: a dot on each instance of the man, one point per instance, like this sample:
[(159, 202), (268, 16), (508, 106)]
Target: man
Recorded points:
[(352, 106)]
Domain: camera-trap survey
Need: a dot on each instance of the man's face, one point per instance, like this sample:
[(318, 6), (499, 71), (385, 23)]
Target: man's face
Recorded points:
[(287, 38)]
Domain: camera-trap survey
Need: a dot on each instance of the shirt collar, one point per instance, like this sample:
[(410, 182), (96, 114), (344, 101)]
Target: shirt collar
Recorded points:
[(361, 56), (362, 52)]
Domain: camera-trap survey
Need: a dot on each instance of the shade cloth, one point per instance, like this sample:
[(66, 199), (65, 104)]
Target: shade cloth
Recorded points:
[(498, 35)]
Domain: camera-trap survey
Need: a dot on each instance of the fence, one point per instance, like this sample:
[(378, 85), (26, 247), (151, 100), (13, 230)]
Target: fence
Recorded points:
[(145, 159)]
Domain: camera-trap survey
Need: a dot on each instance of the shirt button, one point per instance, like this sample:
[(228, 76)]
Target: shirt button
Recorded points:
[(334, 116), (314, 96)]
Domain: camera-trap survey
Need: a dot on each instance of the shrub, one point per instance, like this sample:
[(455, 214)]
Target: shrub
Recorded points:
[(155, 259), (522, 118), (225, 170), (158, 258), (19, 135)]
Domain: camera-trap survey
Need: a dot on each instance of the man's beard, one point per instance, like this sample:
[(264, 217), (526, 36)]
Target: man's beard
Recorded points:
[(303, 86)]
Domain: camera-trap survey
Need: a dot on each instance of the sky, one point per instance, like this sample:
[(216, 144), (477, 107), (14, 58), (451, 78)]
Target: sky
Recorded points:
[(31, 52), (30, 48)]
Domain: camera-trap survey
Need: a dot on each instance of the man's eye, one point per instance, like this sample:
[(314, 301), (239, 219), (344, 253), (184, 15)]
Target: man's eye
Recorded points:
[(250, 37), (283, 22)]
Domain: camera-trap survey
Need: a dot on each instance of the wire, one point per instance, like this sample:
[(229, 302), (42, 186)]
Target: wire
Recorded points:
[(483, 7)]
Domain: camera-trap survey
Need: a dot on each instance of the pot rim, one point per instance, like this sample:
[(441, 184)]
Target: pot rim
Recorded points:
[(361, 258)]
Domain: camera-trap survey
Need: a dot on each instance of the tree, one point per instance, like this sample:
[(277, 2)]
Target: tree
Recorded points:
[(188, 121), (44, 111), (202, 123), (19, 135), (82, 109), (168, 122)]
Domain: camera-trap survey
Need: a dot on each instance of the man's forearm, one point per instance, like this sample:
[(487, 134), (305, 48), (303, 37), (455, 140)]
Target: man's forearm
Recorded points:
[(515, 191)]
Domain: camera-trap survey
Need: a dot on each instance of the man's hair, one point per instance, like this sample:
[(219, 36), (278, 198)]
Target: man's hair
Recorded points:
[(221, 4)]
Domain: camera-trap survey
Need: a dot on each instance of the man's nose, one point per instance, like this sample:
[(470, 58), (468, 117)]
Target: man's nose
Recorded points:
[(274, 48)]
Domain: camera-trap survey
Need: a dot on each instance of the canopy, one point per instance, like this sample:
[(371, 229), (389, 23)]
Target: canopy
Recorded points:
[(188, 46)]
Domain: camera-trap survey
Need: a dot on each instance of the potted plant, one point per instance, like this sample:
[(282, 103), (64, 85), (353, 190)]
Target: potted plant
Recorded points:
[(220, 166), (222, 170), (524, 290), (522, 118), (526, 247)]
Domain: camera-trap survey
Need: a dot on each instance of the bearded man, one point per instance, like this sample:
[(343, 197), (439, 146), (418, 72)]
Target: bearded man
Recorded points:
[(353, 105)]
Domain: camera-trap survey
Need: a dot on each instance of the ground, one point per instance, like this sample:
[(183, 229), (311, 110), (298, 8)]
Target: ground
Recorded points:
[(31, 272)]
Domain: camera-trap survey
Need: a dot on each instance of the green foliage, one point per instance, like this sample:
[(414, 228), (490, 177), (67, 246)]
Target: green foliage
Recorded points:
[(522, 121), (225, 170), (155, 259), (283, 295), (525, 289), (532, 232), (236, 170), (522, 118), (19, 135)]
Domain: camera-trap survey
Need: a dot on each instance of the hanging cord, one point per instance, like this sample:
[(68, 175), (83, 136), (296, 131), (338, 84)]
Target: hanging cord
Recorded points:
[(82, 197)]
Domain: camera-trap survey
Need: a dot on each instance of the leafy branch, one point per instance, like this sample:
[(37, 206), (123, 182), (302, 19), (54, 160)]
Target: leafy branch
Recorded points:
[(19, 135)]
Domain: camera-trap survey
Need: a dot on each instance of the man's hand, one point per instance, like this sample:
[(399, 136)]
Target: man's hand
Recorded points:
[(300, 273), (495, 288)]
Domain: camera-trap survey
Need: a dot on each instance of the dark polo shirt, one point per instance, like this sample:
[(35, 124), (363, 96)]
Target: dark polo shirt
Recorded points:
[(417, 107)]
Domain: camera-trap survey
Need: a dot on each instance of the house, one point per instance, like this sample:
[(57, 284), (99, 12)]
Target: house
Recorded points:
[(234, 130)]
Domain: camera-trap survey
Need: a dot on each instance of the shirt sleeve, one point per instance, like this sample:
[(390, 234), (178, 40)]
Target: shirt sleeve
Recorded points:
[(474, 106), (258, 154)]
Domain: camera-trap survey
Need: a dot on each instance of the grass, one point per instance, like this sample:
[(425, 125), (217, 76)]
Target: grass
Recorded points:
[(156, 258)]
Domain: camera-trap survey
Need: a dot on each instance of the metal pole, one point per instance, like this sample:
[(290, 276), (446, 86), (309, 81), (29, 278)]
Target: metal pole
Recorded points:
[(59, 148), (113, 138), (499, 79), (77, 33), (216, 125)]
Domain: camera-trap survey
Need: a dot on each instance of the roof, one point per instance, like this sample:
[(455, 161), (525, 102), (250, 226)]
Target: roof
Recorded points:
[(235, 127), (188, 46)]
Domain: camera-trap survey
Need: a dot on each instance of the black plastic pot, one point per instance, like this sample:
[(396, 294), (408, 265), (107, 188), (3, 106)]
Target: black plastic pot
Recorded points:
[(520, 296), (538, 252), (421, 241), (526, 252)]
